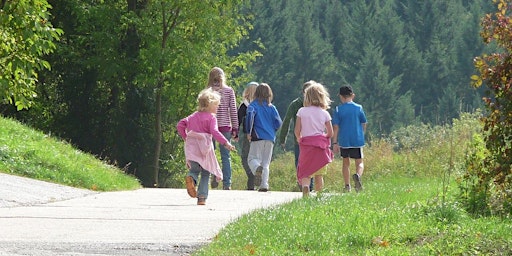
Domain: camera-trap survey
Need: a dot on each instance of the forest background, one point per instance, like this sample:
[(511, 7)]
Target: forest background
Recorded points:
[(123, 73)]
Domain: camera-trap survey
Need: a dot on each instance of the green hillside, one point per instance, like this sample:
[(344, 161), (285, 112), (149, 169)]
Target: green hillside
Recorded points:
[(30, 153)]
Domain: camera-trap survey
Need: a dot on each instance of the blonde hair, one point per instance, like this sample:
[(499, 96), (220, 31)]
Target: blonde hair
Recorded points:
[(207, 97), (263, 92), (216, 73), (317, 95), (249, 90)]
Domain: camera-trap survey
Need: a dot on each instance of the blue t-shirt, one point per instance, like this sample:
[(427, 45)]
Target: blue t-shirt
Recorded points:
[(349, 117)]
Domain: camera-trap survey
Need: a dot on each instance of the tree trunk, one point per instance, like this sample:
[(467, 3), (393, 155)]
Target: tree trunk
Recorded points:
[(158, 133)]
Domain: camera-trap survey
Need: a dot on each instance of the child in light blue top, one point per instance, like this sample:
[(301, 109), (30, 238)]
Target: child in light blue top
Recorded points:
[(261, 124), (349, 125)]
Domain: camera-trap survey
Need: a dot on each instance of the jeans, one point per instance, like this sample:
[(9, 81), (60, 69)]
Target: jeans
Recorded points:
[(245, 145), (195, 170), (225, 158)]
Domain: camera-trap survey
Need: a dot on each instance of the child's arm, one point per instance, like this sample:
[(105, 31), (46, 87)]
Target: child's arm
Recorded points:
[(181, 127), (217, 135), (329, 129), (249, 121), (298, 128), (234, 114), (286, 124), (277, 120), (335, 145)]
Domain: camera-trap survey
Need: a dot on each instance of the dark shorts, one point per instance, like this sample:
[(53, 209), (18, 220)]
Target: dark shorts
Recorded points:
[(356, 153)]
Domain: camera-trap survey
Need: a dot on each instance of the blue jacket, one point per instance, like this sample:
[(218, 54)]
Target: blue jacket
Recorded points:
[(262, 121)]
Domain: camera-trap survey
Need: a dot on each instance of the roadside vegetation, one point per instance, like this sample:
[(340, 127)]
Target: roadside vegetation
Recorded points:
[(30, 153), (413, 204)]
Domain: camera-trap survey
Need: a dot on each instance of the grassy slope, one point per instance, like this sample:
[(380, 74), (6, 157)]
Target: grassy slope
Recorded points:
[(30, 153)]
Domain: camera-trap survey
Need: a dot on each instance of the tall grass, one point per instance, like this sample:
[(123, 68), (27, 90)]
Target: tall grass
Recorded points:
[(408, 207), (30, 153)]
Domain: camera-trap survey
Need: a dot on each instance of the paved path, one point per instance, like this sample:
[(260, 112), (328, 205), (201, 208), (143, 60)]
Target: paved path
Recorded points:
[(41, 218)]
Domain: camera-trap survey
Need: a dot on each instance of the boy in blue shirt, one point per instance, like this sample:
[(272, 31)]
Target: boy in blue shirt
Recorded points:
[(349, 124)]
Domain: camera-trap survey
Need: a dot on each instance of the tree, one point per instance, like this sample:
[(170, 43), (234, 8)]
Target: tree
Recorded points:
[(495, 177), (295, 49), (181, 41), (26, 36), (376, 91)]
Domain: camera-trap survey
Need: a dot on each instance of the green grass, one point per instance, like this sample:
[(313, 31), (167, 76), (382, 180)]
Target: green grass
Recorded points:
[(29, 153), (408, 207), (394, 215)]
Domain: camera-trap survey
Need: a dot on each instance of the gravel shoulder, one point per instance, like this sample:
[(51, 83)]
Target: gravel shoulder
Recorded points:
[(21, 191)]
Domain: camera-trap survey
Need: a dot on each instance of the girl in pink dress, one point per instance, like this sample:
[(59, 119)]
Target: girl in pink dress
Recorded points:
[(313, 130), (198, 130)]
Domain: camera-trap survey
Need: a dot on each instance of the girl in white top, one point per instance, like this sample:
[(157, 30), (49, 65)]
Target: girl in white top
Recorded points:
[(313, 130)]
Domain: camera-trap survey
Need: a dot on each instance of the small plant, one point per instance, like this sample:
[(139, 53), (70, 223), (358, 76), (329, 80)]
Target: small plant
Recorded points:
[(494, 73)]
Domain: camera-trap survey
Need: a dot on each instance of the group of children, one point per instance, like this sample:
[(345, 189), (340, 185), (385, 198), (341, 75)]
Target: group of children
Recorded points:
[(255, 124)]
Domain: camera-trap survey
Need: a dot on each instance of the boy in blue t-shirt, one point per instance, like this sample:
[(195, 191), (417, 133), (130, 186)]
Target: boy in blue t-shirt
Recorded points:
[(349, 125)]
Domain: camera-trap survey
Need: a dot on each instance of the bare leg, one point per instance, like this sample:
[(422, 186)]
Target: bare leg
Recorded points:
[(319, 183), (359, 167), (346, 170), (358, 174), (305, 186)]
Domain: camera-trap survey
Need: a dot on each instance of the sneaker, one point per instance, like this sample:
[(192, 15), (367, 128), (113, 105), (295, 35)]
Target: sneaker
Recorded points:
[(250, 181), (257, 176), (201, 201), (263, 190), (305, 191), (214, 183), (226, 188), (357, 181), (347, 189), (191, 186)]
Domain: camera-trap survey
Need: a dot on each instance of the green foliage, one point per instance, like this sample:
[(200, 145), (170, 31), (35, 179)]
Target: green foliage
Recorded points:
[(495, 174), (409, 57), (26, 36), (112, 63), (375, 91), (30, 153), (182, 41), (474, 184)]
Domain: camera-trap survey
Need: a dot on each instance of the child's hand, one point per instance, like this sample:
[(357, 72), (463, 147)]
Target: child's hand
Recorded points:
[(234, 133), (229, 146)]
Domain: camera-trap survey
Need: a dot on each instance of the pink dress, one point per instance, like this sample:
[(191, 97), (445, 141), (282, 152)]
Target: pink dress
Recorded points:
[(197, 130), (314, 146), (199, 148), (315, 153)]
